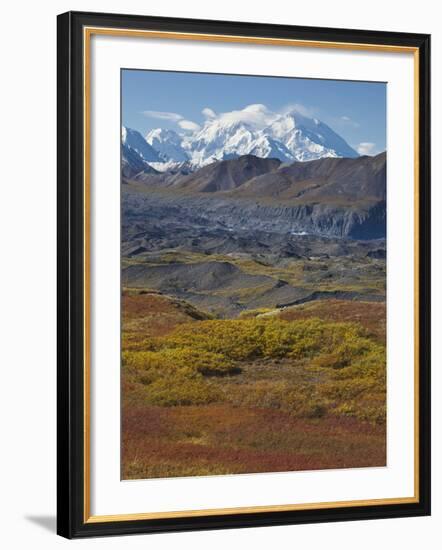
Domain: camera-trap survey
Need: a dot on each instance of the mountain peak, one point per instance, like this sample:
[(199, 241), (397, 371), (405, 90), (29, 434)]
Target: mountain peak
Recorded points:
[(308, 138), (134, 140), (168, 144), (289, 136), (161, 133)]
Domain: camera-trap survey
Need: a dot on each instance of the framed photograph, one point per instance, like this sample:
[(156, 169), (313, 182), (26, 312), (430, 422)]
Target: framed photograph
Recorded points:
[(243, 274)]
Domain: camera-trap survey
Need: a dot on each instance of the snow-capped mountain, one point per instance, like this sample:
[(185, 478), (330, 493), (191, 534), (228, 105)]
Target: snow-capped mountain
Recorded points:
[(134, 140), (308, 138), (288, 137), (220, 140), (168, 144)]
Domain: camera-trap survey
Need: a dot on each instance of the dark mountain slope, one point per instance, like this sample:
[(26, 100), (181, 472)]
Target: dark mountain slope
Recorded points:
[(132, 163), (226, 175), (328, 180), (339, 197)]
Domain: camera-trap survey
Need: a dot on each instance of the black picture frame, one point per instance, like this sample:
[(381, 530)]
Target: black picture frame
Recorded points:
[(72, 521)]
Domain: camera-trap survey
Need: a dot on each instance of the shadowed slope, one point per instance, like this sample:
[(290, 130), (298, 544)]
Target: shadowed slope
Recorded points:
[(324, 180)]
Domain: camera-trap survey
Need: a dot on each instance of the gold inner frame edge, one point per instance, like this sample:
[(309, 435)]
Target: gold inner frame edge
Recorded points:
[(87, 34)]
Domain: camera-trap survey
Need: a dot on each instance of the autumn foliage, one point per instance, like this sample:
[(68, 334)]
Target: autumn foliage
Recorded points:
[(314, 367)]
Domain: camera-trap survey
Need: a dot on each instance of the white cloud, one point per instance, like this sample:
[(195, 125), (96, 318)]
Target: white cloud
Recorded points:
[(259, 115), (188, 125), (348, 120), (301, 109), (256, 115), (208, 112), (366, 148), (163, 115), (173, 117)]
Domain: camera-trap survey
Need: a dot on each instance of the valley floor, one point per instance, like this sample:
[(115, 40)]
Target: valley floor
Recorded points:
[(246, 349)]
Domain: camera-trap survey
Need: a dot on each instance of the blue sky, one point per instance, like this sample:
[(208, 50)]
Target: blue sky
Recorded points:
[(183, 101)]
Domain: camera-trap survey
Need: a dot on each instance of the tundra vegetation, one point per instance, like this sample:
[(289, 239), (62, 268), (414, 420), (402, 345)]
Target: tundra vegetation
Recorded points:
[(267, 391), (249, 345)]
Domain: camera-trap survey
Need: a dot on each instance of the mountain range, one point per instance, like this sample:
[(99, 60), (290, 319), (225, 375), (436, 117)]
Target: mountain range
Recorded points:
[(339, 197), (289, 137)]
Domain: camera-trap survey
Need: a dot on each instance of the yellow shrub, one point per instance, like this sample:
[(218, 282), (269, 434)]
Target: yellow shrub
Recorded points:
[(180, 390), (360, 388), (252, 313), (346, 369), (170, 361)]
